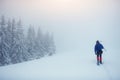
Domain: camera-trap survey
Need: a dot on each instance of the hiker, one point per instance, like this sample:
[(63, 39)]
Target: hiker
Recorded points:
[(98, 51)]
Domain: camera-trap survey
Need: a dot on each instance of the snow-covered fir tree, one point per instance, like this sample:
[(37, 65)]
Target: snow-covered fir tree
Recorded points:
[(38, 43), (30, 42), (4, 47), (52, 46), (20, 49), (48, 43), (13, 44)]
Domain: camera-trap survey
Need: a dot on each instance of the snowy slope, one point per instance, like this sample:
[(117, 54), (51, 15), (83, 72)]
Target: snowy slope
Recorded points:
[(64, 66)]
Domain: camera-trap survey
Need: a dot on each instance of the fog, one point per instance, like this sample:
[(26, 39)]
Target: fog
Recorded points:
[(75, 24)]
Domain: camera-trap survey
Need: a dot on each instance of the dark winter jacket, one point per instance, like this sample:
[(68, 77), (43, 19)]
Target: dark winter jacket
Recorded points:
[(98, 47)]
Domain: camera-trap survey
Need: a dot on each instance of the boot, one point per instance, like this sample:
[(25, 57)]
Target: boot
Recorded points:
[(97, 62)]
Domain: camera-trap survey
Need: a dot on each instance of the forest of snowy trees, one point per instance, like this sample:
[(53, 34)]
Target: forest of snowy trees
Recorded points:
[(16, 47)]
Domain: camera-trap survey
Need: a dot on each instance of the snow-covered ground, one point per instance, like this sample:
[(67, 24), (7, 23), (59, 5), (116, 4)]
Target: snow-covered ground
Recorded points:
[(65, 66)]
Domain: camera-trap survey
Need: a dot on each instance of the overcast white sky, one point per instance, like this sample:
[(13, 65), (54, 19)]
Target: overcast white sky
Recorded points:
[(76, 24)]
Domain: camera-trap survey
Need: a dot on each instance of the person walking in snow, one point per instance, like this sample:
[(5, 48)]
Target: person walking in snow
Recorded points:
[(98, 51)]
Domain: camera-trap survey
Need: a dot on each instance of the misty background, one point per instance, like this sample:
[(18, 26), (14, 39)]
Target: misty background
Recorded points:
[(75, 24)]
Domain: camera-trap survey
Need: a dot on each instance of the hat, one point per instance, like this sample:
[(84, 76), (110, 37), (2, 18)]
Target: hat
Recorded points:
[(97, 41)]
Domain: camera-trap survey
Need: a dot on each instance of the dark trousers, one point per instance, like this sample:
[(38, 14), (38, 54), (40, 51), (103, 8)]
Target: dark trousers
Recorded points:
[(99, 56)]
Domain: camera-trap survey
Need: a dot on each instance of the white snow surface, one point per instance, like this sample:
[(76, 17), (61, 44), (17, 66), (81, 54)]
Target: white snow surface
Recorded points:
[(65, 66)]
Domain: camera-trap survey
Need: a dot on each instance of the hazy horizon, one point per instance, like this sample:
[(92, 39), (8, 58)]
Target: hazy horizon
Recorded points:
[(76, 24)]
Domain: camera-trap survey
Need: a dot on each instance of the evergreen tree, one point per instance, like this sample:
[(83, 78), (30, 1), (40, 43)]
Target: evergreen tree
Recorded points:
[(49, 44), (46, 43), (4, 53), (52, 47), (30, 41), (13, 46), (38, 43), (21, 53)]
